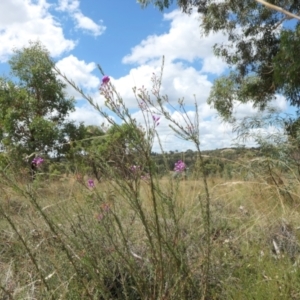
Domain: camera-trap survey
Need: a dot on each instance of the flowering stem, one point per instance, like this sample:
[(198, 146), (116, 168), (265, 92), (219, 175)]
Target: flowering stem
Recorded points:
[(207, 221)]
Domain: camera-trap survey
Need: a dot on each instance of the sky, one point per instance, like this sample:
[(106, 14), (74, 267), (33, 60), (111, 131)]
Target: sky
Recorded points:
[(128, 43)]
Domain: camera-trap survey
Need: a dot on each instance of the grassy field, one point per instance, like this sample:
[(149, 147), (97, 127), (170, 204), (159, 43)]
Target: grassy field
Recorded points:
[(136, 240)]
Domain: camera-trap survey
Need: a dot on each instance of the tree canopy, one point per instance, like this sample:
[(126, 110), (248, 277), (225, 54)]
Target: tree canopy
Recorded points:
[(262, 49), (118, 148), (33, 104)]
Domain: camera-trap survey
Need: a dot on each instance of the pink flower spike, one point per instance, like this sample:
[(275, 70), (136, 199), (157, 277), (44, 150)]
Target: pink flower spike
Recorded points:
[(105, 79), (155, 119)]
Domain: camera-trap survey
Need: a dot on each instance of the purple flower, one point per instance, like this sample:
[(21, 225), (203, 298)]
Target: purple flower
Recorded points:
[(134, 168), (105, 80), (180, 166), (37, 161), (155, 119), (143, 105), (91, 183)]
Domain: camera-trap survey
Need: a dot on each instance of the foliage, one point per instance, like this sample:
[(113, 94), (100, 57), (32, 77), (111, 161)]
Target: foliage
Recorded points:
[(33, 108), (261, 49), (62, 240), (115, 146), (133, 236)]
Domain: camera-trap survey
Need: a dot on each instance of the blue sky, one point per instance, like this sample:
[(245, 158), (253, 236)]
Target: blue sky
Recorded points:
[(128, 42), (126, 24)]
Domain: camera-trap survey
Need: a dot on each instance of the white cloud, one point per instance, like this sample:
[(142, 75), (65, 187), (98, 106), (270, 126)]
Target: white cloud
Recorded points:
[(280, 102), (68, 5), (242, 110), (178, 81), (88, 115), (24, 20), (88, 24), (182, 46), (81, 21), (183, 41), (80, 73), (213, 134)]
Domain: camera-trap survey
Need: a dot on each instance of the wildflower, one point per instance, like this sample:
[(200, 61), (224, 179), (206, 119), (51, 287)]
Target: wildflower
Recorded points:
[(91, 183), (105, 80), (37, 161), (156, 120), (134, 168), (143, 105), (180, 166)]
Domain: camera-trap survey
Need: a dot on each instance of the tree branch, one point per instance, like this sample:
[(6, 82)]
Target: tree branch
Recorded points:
[(279, 9)]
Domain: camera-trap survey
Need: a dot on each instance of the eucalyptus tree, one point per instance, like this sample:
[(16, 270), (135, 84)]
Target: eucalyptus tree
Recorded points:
[(33, 104), (262, 48)]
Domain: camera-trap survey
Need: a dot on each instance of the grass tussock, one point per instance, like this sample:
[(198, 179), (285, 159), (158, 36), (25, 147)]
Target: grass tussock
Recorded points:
[(127, 240)]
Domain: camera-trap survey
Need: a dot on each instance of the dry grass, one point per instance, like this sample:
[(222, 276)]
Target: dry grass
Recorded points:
[(249, 220)]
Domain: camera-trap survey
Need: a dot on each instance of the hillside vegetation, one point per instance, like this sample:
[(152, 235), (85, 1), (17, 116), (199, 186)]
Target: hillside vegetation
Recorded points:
[(147, 238), (91, 212)]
